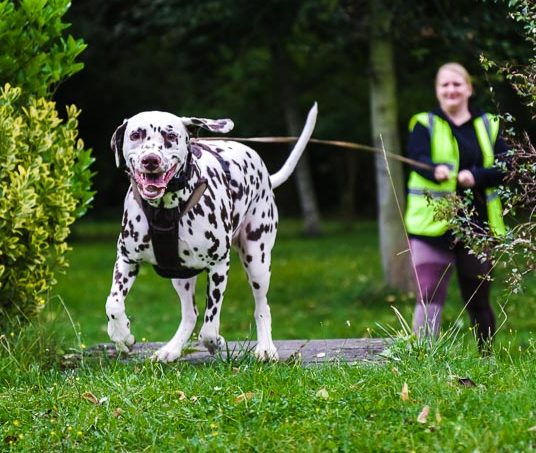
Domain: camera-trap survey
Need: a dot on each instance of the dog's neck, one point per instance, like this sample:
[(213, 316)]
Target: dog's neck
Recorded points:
[(177, 196)]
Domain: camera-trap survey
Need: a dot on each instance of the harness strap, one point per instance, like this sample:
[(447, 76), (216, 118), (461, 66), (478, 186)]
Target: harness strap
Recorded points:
[(164, 222), (164, 232)]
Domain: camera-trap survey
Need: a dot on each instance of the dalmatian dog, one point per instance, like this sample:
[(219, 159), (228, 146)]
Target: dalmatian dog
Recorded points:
[(221, 194)]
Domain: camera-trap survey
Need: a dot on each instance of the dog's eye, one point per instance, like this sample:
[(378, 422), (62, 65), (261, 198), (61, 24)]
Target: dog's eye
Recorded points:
[(171, 136), (135, 135)]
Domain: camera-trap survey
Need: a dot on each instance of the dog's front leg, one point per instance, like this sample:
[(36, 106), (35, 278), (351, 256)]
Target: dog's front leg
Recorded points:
[(209, 335), (118, 323), (172, 350)]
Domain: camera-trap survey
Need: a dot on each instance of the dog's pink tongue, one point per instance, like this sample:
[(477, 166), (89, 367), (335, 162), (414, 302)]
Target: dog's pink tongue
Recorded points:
[(152, 190), (155, 180)]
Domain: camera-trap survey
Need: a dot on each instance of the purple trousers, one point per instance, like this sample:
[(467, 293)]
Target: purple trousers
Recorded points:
[(433, 267)]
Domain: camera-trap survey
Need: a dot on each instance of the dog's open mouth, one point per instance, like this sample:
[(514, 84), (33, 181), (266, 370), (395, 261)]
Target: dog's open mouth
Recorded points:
[(153, 185)]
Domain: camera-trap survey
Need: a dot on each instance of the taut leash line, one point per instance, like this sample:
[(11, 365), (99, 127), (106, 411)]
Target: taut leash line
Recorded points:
[(337, 143)]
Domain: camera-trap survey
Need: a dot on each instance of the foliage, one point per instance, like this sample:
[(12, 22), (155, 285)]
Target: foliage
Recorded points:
[(34, 55), (412, 401), (349, 300), (44, 169), (245, 406), (516, 249), (44, 186), (214, 58)]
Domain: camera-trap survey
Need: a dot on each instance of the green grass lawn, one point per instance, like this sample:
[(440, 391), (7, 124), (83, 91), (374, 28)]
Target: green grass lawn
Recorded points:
[(327, 287)]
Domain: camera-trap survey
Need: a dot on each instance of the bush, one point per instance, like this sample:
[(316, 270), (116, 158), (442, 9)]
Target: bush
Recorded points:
[(34, 55), (44, 169), (44, 186)]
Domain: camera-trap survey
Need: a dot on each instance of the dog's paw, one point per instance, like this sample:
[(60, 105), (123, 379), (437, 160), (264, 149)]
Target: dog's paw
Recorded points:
[(119, 332), (266, 354), (126, 344), (213, 344), (166, 354)]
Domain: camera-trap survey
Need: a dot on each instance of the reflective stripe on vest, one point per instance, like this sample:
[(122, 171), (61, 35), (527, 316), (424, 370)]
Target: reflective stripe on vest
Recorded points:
[(423, 194)]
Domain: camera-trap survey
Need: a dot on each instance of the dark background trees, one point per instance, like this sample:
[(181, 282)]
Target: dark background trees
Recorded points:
[(263, 64), (246, 59)]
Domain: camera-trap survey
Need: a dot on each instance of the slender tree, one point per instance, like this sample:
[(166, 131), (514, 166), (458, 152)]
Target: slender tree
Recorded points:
[(389, 180)]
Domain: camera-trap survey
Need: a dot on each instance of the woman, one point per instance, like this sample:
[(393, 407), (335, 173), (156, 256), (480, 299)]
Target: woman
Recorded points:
[(461, 145)]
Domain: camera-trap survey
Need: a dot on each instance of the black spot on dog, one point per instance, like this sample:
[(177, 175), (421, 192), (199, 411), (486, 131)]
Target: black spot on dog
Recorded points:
[(217, 279), (256, 285), (212, 220), (209, 203), (236, 219), (255, 235), (198, 209)]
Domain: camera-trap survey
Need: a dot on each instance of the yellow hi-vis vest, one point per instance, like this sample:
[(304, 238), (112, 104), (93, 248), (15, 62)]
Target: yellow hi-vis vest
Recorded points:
[(420, 208)]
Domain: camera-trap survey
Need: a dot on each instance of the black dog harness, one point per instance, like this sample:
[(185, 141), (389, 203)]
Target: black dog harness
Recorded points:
[(164, 222)]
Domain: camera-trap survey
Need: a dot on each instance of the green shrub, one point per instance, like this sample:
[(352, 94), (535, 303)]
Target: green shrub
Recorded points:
[(44, 169), (44, 186), (34, 54)]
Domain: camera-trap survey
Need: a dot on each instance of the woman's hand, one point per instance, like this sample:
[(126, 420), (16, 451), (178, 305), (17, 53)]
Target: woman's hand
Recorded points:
[(466, 179), (442, 173)]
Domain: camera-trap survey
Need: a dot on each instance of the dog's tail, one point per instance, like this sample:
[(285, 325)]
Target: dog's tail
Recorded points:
[(288, 167)]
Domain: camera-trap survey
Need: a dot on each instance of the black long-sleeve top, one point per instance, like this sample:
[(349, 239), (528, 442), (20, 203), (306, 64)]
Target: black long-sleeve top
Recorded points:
[(470, 156)]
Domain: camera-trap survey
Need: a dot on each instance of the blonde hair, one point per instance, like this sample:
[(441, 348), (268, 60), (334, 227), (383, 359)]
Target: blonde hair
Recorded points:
[(457, 68)]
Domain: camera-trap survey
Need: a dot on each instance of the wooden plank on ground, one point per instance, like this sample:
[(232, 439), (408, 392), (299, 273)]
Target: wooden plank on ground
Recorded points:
[(344, 350)]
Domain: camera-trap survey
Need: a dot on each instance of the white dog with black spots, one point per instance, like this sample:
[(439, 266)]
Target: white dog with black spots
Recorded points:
[(236, 207)]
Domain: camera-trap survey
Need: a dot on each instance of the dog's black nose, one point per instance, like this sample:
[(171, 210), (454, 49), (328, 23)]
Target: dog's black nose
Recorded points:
[(150, 162)]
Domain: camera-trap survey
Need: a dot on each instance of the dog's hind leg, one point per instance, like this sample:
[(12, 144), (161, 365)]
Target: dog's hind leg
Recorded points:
[(256, 256), (209, 335), (172, 350)]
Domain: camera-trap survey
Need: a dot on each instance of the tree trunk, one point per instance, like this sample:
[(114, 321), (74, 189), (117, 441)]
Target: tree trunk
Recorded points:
[(304, 180), (389, 180)]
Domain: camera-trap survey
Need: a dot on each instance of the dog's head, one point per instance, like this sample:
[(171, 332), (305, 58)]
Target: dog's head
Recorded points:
[(154, 147)]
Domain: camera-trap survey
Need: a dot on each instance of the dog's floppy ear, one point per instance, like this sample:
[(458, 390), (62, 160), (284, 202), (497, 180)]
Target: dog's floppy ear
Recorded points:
[(222, 126), (116, 143)]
